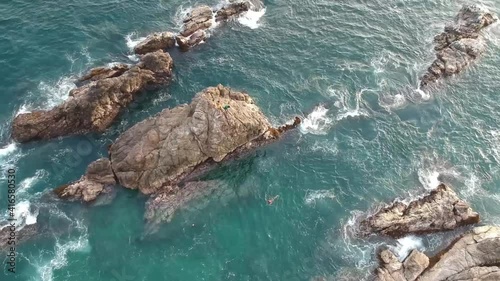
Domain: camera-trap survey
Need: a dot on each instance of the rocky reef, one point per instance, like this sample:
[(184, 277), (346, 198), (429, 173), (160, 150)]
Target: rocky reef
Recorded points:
[(474, 256), (194, 28), (97, 102), (440, 210), (178, 144), (460, 44)]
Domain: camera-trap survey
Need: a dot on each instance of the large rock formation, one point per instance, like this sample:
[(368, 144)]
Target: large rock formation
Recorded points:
[(179, 144), (459, 44), (474, 256), (438, 211), (95, 105)]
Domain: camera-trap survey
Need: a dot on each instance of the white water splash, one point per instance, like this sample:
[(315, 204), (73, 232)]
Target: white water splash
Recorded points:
[(133, 40), (252, 18), (57, 93), (7, 150), (315, 195), (317, 122), (27, 183), (428, 178), (405, 245)]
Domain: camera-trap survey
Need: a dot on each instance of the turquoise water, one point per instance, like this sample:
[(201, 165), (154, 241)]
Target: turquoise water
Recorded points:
[(375, 139)]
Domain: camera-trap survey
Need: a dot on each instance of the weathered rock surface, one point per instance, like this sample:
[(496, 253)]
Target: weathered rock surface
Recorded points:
[(156, 41), (473, 257), (159, 151), (199, 18), (98, 177), (391, 269), (459, 44), (167, 153), (21, 235), (186, 43), (94, 106), (100, 73), (231, 10), (438, 211)]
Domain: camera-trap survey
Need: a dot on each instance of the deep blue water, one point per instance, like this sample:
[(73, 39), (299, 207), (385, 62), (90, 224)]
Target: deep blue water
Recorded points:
[(376, 138)]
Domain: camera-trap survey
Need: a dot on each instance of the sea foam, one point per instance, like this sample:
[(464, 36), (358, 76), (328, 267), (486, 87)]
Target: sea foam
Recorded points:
[(317, 122)]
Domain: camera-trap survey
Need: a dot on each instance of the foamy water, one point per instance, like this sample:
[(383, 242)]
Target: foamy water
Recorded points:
[(53, 94), (316, 195), (405, 245), (252, 19), (317, 122), (8, 149)]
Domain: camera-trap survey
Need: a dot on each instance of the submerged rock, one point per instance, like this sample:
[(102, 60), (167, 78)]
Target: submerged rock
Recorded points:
[(156, 41), (94, 106), (440, 210), (21, 235), (98, 178), (474, 256), (459, 44)]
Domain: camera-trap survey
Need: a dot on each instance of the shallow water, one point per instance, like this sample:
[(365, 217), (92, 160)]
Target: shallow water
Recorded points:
[(350, 68)]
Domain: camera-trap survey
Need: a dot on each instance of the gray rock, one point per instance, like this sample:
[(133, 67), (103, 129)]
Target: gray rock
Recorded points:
[(198, 19), (94, 106), (438, 211), (460, 44)]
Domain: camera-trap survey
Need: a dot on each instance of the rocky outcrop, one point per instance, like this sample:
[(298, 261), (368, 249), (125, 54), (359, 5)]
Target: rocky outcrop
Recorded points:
[(440, 210), (459, 44), (94, 106), (21, 235), (156, 41), (100, 73), (97, 180), (178, 145), (161, 150), (194, 28), (474, 256), (391, 269)]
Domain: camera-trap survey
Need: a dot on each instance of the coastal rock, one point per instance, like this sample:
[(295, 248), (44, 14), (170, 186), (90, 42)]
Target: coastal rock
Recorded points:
[(94, 106), (459, 44), (474, 256), (186, 43), (231, 10), (154, 42), (438, 211), (159, 151), (391, 269), (21, 235), (199, 18), (96, 180), (100, 73)]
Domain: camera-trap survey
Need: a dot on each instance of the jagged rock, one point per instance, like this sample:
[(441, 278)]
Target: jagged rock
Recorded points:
[(231, 10), (158, 151), (438, 211), (459, 45), (186, 43), (97, 179), (474, 256), (94, 106), (156, 41), (198, 19), (100, 73), (391, 269)]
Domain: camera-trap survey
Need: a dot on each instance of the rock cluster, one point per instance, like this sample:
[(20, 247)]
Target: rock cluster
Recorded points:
[(95, 105), (438, 211), (474, 256), (459, 44), (160, 152), (194, 28)]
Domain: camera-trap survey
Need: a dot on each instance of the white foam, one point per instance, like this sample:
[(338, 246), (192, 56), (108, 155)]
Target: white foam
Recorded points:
[(25, 214), (317, 122), (252, 18), (350, 114), (405, 245), (60, 258), (27, 183), (57, 93), (324, 146), (132, 40), (25, 108), (8, 149), (315, 195), (428, 178), (423, 94)]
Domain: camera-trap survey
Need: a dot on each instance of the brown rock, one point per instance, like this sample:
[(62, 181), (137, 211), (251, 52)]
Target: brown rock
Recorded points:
[(98, 176), (155, 42), (391, 269), (231, 10), (438, 211), (459, 45), (200, 18), (94, 106), (100, 73)]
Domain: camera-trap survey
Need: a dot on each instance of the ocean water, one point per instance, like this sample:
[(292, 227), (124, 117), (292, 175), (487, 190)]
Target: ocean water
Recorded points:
[(350, 68)]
